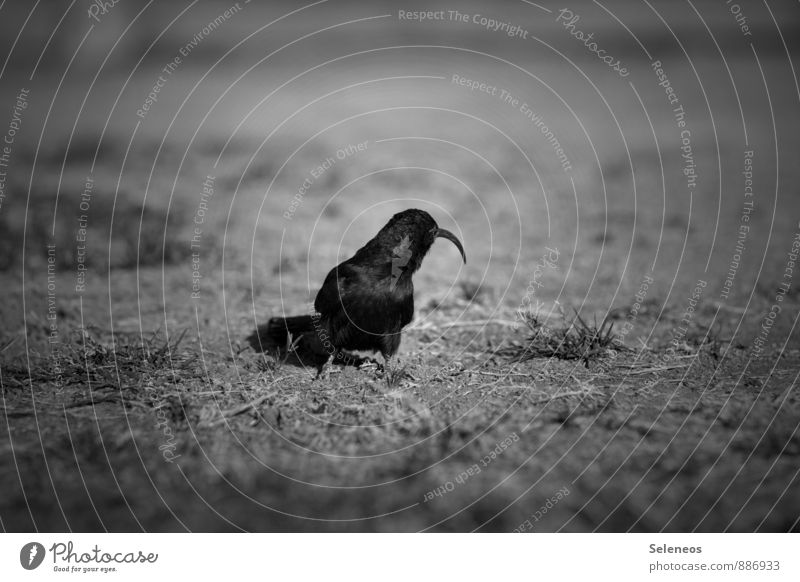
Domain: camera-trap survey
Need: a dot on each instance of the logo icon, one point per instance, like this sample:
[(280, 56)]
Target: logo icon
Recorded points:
[(31, 555)]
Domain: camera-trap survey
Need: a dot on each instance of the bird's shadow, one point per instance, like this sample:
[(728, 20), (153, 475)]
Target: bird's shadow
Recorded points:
[(299, 353)]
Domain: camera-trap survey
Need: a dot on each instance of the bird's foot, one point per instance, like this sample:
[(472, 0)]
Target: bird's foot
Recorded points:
[(324, 373), (371, 364), (360, 362)]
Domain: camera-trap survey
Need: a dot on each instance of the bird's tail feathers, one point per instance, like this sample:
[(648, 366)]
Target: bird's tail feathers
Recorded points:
[(279, 328)]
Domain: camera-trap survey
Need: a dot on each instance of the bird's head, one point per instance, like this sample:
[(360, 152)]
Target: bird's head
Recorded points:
[(411, 234)]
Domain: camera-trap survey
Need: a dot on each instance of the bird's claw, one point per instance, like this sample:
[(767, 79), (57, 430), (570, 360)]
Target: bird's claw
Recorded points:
[(371, 364)]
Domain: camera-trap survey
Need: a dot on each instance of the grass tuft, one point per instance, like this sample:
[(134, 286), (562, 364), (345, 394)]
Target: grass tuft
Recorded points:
[(576, 341)]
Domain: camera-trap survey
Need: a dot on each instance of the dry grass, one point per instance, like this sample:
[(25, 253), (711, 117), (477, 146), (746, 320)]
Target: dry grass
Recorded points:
[(243, 427), (575, 341)]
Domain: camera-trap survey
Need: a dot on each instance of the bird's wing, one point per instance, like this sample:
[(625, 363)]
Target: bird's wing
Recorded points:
[(335, 288), (364, 294), (407, 310)]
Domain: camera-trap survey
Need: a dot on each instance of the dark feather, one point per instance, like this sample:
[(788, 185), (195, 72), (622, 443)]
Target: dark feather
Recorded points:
[(367, 300)]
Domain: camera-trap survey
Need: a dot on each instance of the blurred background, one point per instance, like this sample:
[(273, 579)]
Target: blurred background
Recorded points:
[(268, 93)]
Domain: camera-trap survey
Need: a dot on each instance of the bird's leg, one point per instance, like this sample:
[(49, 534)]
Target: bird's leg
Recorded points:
[(323, 371), (317, 353), (344, 358), (390, 342), (336, 357), (340, 358), (389, 371), (370, 363)]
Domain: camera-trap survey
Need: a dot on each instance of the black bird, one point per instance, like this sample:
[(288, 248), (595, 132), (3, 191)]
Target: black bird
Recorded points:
[(367, 300)]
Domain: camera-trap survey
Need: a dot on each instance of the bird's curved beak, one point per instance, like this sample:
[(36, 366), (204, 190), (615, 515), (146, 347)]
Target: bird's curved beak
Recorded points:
[(443, 233)]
